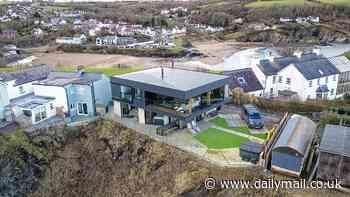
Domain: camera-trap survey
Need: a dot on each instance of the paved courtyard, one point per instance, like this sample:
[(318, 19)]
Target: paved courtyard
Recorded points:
[(184, 140)]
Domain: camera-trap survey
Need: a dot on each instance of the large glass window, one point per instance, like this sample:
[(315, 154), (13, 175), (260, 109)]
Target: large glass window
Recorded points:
[(126, 93), (82, 109), (138, 93)]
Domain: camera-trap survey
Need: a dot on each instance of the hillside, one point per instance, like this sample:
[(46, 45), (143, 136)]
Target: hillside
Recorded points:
[(105, 159)]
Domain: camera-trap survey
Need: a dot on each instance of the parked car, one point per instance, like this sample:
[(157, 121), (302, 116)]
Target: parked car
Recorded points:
[(252, 116)]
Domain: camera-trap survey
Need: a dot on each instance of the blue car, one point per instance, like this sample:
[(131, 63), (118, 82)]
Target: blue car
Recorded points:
[(252, 117)]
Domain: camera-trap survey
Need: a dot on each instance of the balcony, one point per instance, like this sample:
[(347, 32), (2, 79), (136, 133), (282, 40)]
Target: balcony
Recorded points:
[(184, 114)]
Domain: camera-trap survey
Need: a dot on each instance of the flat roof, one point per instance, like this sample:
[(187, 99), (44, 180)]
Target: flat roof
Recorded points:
[(183, 80), (31, 101)]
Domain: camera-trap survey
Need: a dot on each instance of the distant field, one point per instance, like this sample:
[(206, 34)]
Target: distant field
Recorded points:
[(110, 71), (336, 2), (272, 3)]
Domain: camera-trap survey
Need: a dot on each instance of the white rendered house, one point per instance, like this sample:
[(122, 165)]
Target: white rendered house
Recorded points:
[(306, 76)]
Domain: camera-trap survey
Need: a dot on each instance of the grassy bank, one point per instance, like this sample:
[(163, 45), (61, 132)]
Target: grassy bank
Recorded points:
[(348, 55), (110, 71)]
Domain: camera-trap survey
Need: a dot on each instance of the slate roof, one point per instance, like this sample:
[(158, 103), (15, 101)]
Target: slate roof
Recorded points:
[(297, 134), (34, 73), (178, 79), (316, 68), (245, 79), (336, 140), (311, 65)]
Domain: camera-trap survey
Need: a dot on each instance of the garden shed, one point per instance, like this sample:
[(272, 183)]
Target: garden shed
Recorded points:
[(291, 150), (334, 154), (250, 151)]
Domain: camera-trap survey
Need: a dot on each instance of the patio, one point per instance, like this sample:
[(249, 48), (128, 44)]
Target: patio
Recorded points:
[(185, 140)]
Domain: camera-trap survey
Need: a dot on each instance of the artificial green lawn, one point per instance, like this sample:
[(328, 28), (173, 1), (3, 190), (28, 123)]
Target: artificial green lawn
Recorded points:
[(221, 122), (216, 139)]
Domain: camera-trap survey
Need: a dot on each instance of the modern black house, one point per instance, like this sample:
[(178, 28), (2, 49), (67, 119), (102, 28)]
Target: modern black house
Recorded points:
[(169, 96)]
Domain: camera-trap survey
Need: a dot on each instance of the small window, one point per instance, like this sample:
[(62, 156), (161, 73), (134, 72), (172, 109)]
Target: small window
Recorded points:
[(326, 79), (310, 83), (318, 81), (334, 77), (280, 79), (51, 106), (288, 81), (71, 106), (273, 79), (332, 91)]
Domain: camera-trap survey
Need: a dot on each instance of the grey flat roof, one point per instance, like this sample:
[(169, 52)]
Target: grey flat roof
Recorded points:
[(183, 80), (31, 101), (336, 140)]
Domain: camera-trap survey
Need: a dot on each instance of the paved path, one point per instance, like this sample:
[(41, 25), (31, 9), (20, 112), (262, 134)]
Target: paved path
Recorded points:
[(238, 133)]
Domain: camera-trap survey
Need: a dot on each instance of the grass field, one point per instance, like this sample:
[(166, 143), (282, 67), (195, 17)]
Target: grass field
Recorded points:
[(336, 2), (271, 3), (7, 69), (110, 71), (215, 139), (221, 122), (347, 54)]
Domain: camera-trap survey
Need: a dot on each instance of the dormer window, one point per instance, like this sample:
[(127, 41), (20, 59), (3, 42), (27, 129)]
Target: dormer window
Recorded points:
[(321, 72)]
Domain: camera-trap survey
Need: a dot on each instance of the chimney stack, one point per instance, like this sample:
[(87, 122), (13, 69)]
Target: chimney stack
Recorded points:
[(270, 57), (172, 63), (317, 51), (162, 72), (298, 54)]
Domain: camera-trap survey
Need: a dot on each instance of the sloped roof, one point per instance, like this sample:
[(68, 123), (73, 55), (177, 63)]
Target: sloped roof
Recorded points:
[(297, 134), (245, 79), (65, 78), (311, 65), (316, 68), (342, 63), (336, 140), (34, 73), (273, 67)]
